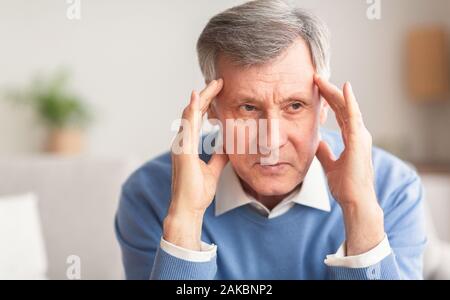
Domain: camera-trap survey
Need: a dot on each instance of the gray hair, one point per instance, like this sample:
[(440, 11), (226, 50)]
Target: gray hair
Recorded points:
[(257, 32)]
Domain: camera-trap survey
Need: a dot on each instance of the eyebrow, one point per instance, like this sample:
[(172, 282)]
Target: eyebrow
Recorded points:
[(297, 96)]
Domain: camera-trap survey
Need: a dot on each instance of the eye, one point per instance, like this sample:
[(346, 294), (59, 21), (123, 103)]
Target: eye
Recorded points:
[(248, 108), (295, 107)]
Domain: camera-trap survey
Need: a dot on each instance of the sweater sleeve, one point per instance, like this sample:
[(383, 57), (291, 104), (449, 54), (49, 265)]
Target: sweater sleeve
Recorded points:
[(139, 235), (387, 269), (371, 257), (404, 225), (169, 267)]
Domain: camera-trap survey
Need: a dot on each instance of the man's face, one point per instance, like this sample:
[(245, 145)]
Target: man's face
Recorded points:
[(282, 91)]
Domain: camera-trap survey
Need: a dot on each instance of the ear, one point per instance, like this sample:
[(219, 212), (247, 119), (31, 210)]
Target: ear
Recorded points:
[(324, 108)]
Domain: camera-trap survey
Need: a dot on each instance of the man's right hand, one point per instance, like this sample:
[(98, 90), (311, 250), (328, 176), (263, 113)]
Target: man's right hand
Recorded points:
[(193, 181)]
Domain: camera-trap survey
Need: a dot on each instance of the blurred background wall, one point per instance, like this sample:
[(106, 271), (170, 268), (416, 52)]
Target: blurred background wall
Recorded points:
[(135, 62)]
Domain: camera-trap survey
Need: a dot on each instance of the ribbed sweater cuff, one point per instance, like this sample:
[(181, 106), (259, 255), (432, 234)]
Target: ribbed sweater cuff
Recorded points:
[(168, 267), (387, 269)]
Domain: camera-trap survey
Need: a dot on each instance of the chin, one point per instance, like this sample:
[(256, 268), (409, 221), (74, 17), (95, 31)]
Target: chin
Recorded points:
[(269, 187)]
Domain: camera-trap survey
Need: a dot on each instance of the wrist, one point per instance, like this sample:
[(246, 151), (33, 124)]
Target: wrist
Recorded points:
[(183, 228), (367, 206), (364, 227)]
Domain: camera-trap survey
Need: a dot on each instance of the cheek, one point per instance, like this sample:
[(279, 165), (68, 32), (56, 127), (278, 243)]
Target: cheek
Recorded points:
[(304, 134)]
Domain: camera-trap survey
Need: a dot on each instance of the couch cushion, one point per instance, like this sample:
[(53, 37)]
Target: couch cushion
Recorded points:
[(78, 199), (22, 250)]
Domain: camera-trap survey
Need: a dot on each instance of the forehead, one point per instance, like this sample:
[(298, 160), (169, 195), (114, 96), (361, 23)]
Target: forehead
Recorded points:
[(292, 71)]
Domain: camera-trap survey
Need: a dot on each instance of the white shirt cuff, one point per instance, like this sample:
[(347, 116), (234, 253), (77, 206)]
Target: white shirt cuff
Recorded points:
[(364, 260), (207, 252)]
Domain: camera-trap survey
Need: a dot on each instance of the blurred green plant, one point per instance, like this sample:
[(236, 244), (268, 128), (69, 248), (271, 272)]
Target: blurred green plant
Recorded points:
[(55, 104)]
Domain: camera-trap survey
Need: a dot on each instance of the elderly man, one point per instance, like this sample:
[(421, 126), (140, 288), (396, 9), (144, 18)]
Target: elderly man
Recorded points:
[(328, 207)]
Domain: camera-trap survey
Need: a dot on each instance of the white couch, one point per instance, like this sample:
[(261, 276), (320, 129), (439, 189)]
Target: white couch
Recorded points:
[(78, 198), (77, 201), (437, 254)]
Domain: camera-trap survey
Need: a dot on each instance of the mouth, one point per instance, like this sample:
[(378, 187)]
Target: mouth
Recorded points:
[(273, 169)]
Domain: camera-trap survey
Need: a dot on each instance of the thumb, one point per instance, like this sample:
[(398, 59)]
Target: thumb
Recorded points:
[(217, 163), (325, 156)]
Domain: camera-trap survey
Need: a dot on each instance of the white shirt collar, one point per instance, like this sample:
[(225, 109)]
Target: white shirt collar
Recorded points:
[(313, 193)]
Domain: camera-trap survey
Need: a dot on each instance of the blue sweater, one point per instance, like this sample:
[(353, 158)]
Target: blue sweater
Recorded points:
[(251, 246)]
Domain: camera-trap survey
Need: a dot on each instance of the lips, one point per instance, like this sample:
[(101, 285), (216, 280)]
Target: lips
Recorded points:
[(272, 164), (273, 169)]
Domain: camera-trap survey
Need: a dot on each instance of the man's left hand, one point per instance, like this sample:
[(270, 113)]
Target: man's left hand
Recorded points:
[(351, 176)]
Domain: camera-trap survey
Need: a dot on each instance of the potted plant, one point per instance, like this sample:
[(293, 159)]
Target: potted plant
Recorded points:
[(61, 110)]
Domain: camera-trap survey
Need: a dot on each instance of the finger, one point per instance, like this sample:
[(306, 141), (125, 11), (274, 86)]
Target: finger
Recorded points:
[(354, 112), (193, 105), (195, 100), (325, 156), (191, 112), (338, 116), (331, 93), (209, 93), (192, 115), (189, 131), (217, 163), (195, 121)]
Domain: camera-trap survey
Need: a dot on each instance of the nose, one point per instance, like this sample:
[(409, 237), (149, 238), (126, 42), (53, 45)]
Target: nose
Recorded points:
[(271, 135)]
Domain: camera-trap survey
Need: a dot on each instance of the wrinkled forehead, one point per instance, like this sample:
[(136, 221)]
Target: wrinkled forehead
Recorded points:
[(290, 73)]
